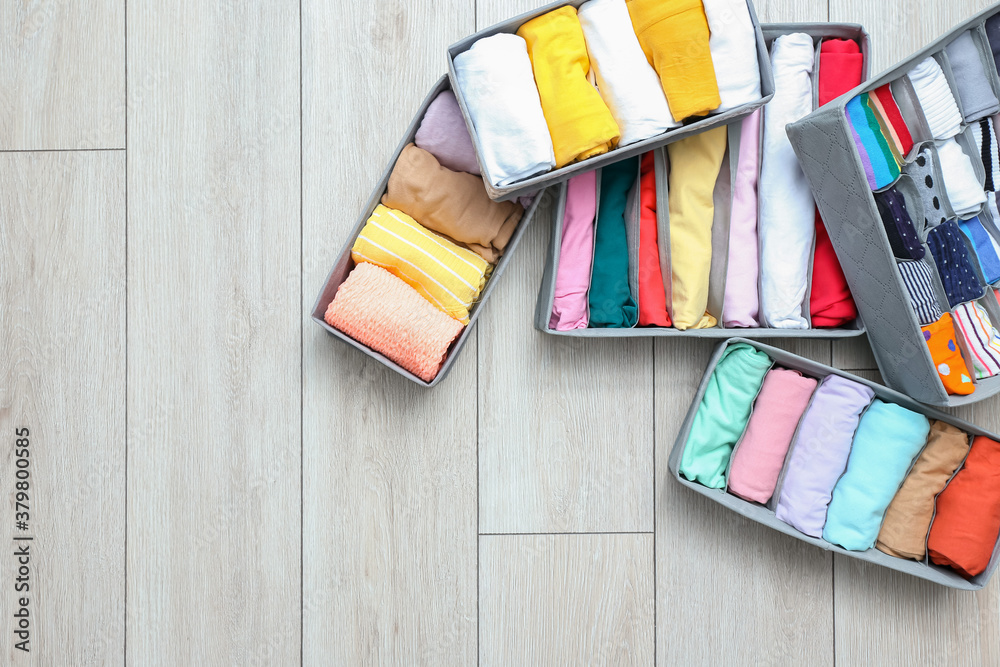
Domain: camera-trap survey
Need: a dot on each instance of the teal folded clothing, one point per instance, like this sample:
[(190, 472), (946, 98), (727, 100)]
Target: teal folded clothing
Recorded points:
[(723, 414), (887, 441), (881, 167), (612, 304)]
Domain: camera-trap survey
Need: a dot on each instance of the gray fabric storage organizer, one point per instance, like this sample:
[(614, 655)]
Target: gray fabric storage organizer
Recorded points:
[(344, 264), (555, 176), (546, 294), (827, 152), (763, 515)]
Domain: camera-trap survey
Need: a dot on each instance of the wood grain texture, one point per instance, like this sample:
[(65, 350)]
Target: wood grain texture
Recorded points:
[(62, 376), (214, 335), (389, 483), (566, 600), (62, 78)]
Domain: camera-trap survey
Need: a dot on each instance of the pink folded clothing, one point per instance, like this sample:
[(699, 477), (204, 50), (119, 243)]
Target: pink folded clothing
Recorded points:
[(741, 298), (760, 456), (444, 134), (569, 307), (382, 312)]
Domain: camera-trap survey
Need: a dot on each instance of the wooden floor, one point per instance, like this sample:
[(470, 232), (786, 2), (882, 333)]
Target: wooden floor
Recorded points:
[(216, 481)]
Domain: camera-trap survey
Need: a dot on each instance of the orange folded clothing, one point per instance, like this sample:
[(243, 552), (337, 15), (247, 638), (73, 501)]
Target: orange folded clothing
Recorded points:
[(379, 310), (951, 367)]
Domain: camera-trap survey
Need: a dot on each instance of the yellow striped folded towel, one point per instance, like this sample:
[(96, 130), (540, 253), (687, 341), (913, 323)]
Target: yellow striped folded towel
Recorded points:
[(447, 275)]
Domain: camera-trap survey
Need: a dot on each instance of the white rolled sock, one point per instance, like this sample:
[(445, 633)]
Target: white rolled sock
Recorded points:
[(734, 52), (936, 99), (965, 192)]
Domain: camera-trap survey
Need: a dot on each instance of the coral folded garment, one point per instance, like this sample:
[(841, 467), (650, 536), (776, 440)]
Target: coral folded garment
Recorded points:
[(580, 123), (954, 265), (696, 163), (443, 134), (674, 35), (974, 89), (947, 357), (919, 285), (787, 212), (379, 310), (819, 453), (936, 99), (742, 300), (981, 339), (965, 192), (627, 81), (926, 175), (888, 438), (576, 250), (760, 455), (871, 143), (452, 203), (985, 140), (884, 102), (612, 303), (967, 521), (448, 276), (652, 295), (733, 44), (841, 68), (498, 86), (904, 529), (903, 238), (986, 249), (723, 414)]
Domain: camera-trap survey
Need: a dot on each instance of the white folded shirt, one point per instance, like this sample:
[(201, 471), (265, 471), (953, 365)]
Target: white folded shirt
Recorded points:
[(734, 52)]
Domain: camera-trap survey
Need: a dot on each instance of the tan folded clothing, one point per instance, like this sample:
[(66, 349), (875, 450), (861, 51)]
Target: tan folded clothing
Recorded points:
[(451, 203), (904, 529)]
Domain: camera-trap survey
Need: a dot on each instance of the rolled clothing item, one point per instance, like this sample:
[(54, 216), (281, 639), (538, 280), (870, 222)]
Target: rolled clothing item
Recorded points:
[(819, 453), (576, 251), (883, 100), (967, 520), (936, 99), (942, 343), (733, 44), (760, 455), (884, 129), (908, 519), (723, 414), (926, 175), (866, 162), (379, 310), (888, 438), (696, 163), (742, 300), (873, 143), (498, 86), (986, 249), (974, 89), (612, 304), (993, 37), (903, 238), (954, 265), (919, 286), (580, 123), (448, 276), (628, 84), (674, 35), (452, 203), (965, 192), (981, 338), (444, 134), (985, 138), (652, 295), (841, 68), (786, 226)]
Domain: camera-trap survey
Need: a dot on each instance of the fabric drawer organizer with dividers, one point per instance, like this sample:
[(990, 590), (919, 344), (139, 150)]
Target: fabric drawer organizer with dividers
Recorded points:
[(714, 235), (904, 170)]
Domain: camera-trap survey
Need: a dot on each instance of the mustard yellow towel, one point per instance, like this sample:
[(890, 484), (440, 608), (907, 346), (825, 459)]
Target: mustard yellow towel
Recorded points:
[(580, 123), (674, 36), (694, 167), (448, 276)]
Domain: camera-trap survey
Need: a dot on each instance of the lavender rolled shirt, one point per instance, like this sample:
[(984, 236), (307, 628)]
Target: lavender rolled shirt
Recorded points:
[(444, 134), (820, 452), (741, 305), (576, 252)]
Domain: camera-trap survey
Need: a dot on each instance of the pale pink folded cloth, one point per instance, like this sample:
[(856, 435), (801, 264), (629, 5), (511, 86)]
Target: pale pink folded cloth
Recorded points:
[(760, 455), (569, 307), (741, 305)]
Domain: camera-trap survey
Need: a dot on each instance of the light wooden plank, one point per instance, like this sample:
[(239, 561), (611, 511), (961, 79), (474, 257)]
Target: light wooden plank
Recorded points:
[(566, 600), (565, 425), (62, 79), (389, 488), (62, 376), (214, 335)]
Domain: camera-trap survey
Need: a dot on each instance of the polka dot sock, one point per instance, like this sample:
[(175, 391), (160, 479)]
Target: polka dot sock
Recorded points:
[(947, 357)]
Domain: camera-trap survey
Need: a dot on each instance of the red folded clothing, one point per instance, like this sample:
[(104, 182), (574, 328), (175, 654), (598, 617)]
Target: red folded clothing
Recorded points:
[(892, 116), (652, 296)]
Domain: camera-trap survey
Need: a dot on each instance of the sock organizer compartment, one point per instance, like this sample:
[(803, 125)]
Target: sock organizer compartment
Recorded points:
[(844, 464), (631, 67), (654, 281)]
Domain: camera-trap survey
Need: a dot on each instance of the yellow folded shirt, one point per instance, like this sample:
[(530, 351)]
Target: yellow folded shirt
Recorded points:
[(694, 168), (448, 276), (580, 123), (674, 36)]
